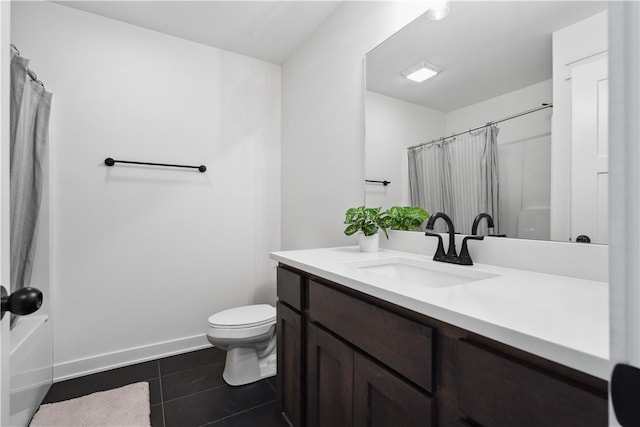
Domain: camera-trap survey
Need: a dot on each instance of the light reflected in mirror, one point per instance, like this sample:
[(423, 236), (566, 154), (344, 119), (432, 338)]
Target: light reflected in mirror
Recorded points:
[(496, 60)]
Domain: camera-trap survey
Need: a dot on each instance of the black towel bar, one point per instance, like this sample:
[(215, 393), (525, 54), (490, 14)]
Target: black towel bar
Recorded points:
[(385, 182), (110, 162)]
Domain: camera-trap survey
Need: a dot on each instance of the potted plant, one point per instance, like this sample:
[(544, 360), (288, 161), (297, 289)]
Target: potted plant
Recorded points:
[(406, 218), (367, 221)]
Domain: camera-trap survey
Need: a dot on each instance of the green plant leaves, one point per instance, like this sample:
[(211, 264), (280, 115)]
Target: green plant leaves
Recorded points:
[(370, 229), (352, 228), (369, 220), (408, 218)]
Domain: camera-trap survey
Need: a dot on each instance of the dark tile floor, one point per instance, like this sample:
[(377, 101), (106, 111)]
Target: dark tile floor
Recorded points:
[(185, 390)]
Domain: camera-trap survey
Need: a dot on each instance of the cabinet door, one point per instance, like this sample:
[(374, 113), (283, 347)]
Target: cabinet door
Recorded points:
[(399, 343), (329, 380), (382, 399), (289, 330), (497, 391)]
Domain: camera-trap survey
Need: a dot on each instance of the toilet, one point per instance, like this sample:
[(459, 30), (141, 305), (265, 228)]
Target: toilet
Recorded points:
[(248, 336)]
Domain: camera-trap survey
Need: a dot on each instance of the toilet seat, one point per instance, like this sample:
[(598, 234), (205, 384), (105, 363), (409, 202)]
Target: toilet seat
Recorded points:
[(247, 317)]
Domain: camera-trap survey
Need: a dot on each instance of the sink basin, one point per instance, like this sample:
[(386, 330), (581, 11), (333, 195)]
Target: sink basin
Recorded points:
[(424, 273)]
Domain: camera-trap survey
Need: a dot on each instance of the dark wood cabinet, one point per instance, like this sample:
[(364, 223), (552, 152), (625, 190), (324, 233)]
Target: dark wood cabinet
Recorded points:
[(382, 399), (290, 380), (329, 380), (348, 359), (401, 344), (347, 388), (291, 288), (494, 390)]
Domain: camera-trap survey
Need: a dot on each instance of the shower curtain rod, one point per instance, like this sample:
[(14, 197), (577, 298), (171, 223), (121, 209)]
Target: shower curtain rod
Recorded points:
[(533, 110), (32, 74)]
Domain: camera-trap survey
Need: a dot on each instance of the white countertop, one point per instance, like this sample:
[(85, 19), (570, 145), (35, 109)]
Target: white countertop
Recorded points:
[(559, 318)]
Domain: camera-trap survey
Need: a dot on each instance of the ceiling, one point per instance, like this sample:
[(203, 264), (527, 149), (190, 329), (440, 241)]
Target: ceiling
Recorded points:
[(267, 30), (486, 48)]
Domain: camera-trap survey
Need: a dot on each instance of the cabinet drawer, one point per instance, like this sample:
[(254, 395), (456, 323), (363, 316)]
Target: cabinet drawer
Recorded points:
[(290, 288), (497, 391), (402, 344)]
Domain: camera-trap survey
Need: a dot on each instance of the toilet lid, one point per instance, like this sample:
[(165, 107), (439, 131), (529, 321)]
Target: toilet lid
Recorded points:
[(244, 317)]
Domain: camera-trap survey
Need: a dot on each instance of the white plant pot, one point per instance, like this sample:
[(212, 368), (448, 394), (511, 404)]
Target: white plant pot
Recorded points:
[(369, 243)]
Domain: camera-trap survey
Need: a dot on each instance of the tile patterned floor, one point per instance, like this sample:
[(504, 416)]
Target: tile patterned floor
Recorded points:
[(185, 390)]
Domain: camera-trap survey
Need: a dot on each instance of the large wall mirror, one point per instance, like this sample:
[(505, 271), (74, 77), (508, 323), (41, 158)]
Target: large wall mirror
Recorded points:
[(514, 121)]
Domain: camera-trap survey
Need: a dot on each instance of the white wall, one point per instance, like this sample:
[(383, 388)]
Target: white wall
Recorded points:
[(143, 255), (323, 120), (393, 125)]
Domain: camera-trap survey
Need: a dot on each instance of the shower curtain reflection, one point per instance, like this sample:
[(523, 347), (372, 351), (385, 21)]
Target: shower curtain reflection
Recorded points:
[(457, 176)]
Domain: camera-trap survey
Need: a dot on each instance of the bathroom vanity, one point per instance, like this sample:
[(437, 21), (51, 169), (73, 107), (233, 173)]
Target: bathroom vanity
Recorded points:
[(393, 338)]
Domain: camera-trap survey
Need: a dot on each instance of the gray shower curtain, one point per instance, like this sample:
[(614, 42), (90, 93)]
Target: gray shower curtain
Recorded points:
[(30, 108), (457, 176), (429, 179)]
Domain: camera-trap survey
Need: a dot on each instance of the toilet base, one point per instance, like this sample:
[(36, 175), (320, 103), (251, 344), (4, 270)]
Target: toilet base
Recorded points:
[(243, 366)]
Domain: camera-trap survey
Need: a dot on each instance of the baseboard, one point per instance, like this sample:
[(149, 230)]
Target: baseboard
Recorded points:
[(103, 362)]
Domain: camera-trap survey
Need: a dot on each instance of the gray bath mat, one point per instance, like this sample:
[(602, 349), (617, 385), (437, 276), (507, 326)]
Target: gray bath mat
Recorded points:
[(124, 406)]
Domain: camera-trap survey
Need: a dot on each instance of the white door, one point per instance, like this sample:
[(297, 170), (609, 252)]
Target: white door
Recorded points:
[(590, 151)]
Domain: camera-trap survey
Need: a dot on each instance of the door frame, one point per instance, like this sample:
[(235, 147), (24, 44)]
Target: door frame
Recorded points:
[(624, 185), (5, 343)]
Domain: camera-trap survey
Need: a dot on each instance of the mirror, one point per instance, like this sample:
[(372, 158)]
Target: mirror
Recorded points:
[(537, 70)]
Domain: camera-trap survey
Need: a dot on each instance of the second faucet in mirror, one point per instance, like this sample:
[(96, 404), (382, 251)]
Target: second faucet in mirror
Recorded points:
[(476, 223)]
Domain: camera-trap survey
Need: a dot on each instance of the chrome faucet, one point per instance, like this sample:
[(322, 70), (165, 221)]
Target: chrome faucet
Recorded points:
[(451, 255)]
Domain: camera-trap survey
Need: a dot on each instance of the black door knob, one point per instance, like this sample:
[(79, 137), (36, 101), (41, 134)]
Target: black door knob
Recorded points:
[(22, 302)]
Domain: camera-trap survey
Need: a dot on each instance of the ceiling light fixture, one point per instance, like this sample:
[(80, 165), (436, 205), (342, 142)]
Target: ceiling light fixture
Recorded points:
[(421, 72), (439, 10)]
